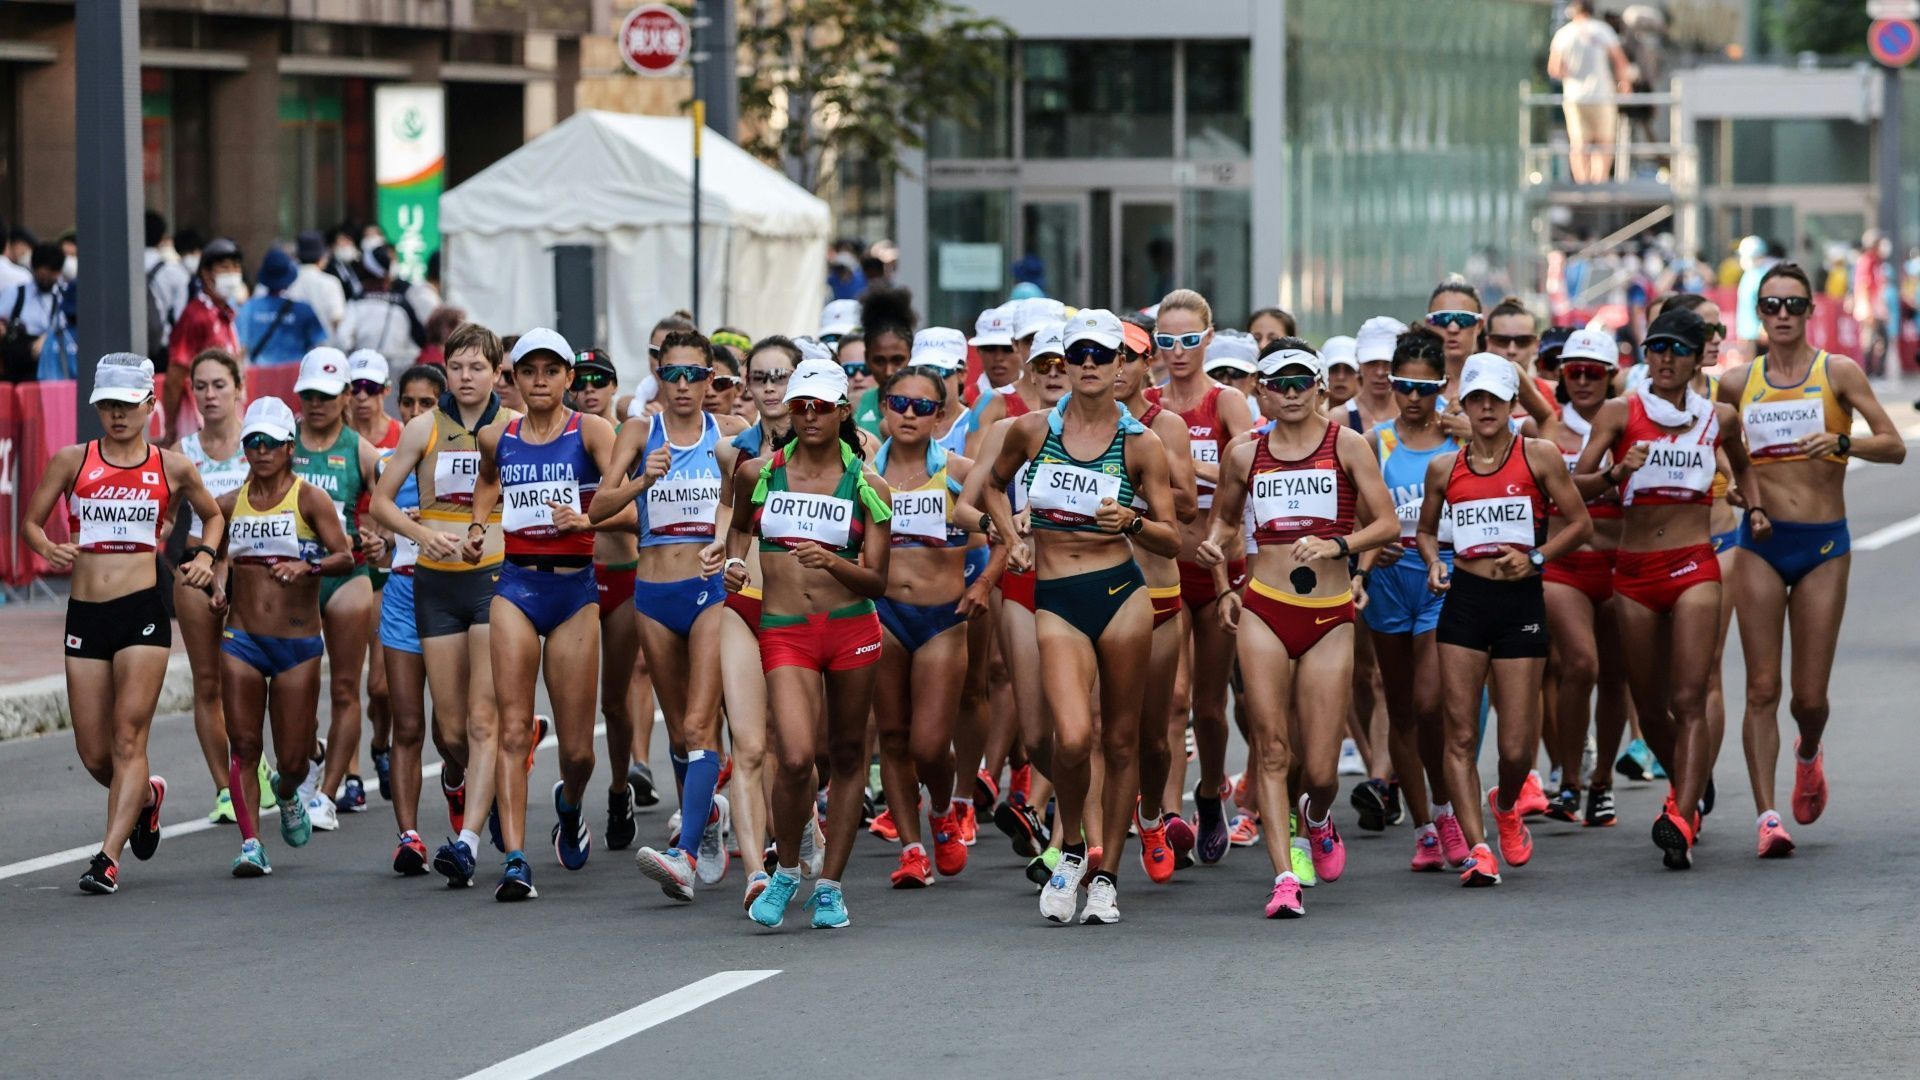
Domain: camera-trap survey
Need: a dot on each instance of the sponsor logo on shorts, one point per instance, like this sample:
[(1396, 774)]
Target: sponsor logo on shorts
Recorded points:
[(1684, 571), (1826, 547), (865, 649), (701, 600), (1325, 621), (148, 632), (1530, 628), (1115, 591)]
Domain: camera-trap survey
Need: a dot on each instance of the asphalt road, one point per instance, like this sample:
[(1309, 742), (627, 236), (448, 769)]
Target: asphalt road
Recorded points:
[(1591, 961)]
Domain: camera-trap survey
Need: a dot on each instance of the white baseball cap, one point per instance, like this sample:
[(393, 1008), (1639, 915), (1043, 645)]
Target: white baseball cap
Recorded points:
[(1376, 337), (268, 416), (822, 380), (368, 365), (122, 376), (1049, 340), (1036, 314), (1233, 350), (839, 318), (542, 339), (323, 369), (939, 347), (1098, 325), (1492, 373), (1341, 351), (1279, 360), (1595, 345), (994, 326), (812, 349)]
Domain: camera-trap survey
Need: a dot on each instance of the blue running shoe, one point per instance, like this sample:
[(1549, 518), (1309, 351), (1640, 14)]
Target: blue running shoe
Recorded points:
[(295, 827), (454, 861), (383, 771), (353, 796), (493, 828), (572, 840), (770, 908), (829, 907), (516, 883), (252, 861), (1215, 835), (1636, 761)]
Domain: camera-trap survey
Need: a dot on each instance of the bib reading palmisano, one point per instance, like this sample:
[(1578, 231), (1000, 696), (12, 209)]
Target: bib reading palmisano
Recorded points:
[(683, 506), (1068, 494), (524, 506), (1775, 428), (921, 515), (454, 474), (792, 518), (1483, 526), (1294, 498)]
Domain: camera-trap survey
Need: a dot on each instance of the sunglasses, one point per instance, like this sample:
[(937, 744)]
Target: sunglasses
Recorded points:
[(1674, 347), (1547, 361), (829, 340), (770, 378), (995, 350), (1184, 341), (685, 373), (1793, 305), (1464, 320), (1285, 384), (1047, 365), (315, 397), (1087, 350), (591, 380), (1419, 387), (1716, 331), (367, 387), (919, 406), (724, 383), (811, 407), (854, 370), (260, 440), (1512, 341), (1579, 371)]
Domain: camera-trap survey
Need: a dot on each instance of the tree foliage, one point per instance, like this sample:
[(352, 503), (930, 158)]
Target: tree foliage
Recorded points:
[(1826, 27), (841, 80)]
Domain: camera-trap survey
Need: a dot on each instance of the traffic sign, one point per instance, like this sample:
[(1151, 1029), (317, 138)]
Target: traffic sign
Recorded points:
[(1893, 9), (655, 40), (1894, 42)]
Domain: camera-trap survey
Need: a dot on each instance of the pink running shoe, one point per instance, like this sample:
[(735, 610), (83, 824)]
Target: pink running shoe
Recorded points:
[(1285, 903), (1809, 785), (1774, 841), (1453, 842), (1180, 838), (1426, 853), (1329, 851)]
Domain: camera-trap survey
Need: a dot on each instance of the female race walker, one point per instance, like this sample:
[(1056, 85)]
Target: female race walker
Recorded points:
[(1664, 438), (1499, 485), (220, 393), (668, 464), (118, 634), (1797, 404), (1302, 479), (285, 538), (822, 519), (1086, 458), (542, 468)]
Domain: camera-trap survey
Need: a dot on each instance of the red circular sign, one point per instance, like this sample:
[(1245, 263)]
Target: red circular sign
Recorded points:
[(1894, 42), (655, 39)]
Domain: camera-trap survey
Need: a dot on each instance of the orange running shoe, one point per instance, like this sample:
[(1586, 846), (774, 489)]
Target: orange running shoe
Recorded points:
[(915, 871), (1774, 841), (1482, 868), (1020, 785), (883, 827), (1533, 798), (949, 851), (1156, 854), (1674, 835), (1516, 842), (1244, 831), (1809, 785), (1240, 790), (541, 726), (726, 773), (986, 791), (968, 819)]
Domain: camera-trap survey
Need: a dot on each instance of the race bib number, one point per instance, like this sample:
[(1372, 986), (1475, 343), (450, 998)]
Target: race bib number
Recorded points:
[(1294, 499), (454, 474), (792, 518), (1069, 494), (1673, 471), (217, 483), (1017, 491), (524, 506), (1409, 514), (1204, 450), (1775, 428), (118, 524), (683, 506), (405, 552), (265, 537), (1487, 526), (920, 517)]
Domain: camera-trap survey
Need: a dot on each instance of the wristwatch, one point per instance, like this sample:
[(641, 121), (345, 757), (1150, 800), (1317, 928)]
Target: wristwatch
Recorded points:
[(1538, 560), (1845, 445), (1135, 526), (193, 550)]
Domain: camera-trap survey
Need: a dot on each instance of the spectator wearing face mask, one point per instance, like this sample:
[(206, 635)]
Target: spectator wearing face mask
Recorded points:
[(343, 256), (276, 327), (316, 286), (206, 322), (12, 273), (31, 311)]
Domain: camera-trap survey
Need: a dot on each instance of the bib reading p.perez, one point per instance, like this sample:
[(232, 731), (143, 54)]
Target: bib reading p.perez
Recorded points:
[(792, 518), (1070, 495)]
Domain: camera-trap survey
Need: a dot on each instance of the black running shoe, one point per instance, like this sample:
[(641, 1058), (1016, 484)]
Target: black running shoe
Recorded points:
[(1706, 800), (640, 778), (102, 877), (1370, 799), (1600, 807), (1565, 806), (620, 826), (146, 828), (1020, 824), (1396, 811), (383, 771)]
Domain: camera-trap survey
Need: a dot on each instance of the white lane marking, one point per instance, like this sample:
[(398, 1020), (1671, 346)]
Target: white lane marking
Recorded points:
[(1892, 534), (575, 1045), (428, 771)]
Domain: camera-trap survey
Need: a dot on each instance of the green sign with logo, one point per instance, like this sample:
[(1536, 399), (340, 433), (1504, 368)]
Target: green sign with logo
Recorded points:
[(410, 169)]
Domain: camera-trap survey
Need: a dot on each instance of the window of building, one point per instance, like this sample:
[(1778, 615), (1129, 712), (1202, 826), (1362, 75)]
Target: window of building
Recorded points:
[(1219, 100), (986, 133), (313, 175), (967, 261), (1097, 99), (1219, 251)]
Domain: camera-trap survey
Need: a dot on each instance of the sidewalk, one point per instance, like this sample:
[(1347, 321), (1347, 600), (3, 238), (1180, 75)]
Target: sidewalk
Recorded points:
[(33, 685)]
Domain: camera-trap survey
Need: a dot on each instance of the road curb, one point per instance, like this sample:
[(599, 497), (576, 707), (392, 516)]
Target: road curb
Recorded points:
[(38, 706)]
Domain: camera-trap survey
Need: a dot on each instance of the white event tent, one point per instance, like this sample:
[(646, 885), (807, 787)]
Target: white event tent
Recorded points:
[(625, 184)]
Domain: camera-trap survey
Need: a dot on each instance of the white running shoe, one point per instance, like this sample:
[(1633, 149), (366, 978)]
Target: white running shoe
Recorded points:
[(1351, 763), (813, 849), (321, 811), (1057, 897), (669, 868), (673, 830), (1102, 907), (712, 856), (1588, 757)]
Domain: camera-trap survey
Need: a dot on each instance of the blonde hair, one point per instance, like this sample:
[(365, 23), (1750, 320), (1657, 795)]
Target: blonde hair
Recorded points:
[(1187, 300)]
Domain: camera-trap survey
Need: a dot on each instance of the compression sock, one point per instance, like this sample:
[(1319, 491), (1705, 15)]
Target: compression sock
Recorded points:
[(696, 795), (680, 767), (242, 813)]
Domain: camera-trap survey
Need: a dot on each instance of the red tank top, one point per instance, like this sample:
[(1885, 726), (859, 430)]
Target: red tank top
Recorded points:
[(1680, 465), (1204, 433), (1016, 405), (1602, 507), (1312, 496), (113, 509), (1502, 511)]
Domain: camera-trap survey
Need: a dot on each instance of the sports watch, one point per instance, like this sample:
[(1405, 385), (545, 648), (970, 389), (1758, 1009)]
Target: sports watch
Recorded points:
[(1538, 560)]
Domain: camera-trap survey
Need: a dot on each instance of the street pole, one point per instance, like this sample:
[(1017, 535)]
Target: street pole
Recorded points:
[(718, 81), (112, 310), (1890, 194), (699, 24)]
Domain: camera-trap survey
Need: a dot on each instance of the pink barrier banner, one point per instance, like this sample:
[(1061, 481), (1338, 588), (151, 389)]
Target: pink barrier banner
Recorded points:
[(45, 425), (11, 497)]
